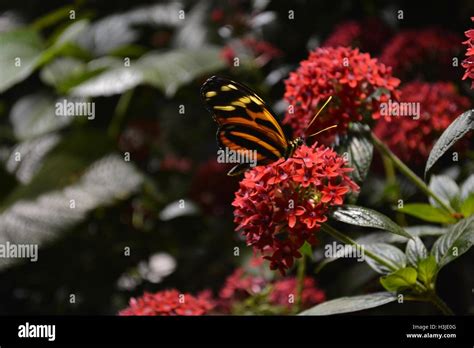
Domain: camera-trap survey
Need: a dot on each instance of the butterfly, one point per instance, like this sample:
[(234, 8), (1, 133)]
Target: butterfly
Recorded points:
[(246, 123)]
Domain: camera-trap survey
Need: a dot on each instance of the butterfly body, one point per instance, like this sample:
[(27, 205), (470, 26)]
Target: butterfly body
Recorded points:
[(245, 122)]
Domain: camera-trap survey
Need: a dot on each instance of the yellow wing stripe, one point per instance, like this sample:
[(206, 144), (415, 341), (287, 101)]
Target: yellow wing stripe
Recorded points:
[(258, 141)]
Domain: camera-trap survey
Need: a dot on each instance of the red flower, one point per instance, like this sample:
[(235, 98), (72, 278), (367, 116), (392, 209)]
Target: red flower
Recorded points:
[(168, 302), (243, 284), (468, 63), (240, 285), (368, 35), (412, 139), (261, 52), (279, 206), (428, 50), (357, 82), (283, 289)]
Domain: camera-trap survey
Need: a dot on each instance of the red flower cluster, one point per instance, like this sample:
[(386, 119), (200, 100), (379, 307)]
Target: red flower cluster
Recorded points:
[(412, 139), (281, 290), (415, 50), (280, 206), (357, 82), (468, 63), (260, 51), (168, 302), (241, 285), (368, 36)]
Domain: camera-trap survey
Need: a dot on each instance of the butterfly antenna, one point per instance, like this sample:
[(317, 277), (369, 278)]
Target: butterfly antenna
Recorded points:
[(323, 130), (319, 111)]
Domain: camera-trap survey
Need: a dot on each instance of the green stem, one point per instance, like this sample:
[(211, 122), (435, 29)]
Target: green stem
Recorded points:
[(438, 302), (345, 239), (393, 183), (120, 112), (384, 150), (300, 282)]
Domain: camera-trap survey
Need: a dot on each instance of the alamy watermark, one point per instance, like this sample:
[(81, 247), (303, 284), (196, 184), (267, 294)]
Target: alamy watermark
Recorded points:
[(75, 108), (335, 250), (20, 251), (227, 155), (406, 109)]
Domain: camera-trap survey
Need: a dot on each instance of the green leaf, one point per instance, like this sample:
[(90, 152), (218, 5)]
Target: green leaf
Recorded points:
[(402, 279), (351, 304), (467, 207), (42, 219), (166, 71), (427, 212), (169, 71), (446, 189), (34, 115), (63, 164), (307, 250), (427, 269), (456, 130), (455, 242), (359, 150), (392, 255), (467, 187), (20, 52), (360, 216), (415, 251)]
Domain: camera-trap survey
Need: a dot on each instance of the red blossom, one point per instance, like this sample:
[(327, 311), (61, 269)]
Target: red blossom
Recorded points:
[(168, 302), (258, 50), (279, 206), (429, 50), (282, 289), (412, 139), (368, 35), (243, 284), (468, 63), (357, 83)]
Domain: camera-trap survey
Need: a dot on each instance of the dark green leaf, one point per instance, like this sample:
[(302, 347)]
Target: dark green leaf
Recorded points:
[(446, 189), (166, 71), (360, 216), (415, 251), (23, 44), (351, 304), (34, 115), (392, 255), (456, 130), (359, 150), (455, 242)]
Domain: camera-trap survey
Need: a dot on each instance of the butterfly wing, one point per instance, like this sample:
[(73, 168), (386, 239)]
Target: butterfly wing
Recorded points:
[(245, 122)]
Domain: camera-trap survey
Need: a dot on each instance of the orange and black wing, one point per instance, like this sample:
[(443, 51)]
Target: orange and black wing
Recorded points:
[(245, 122)]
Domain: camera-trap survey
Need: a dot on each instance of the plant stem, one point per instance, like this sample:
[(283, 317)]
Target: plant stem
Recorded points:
[(120, 113), (345, 239), (438, 302), (300, 282), (393, 183), (384, 150)]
